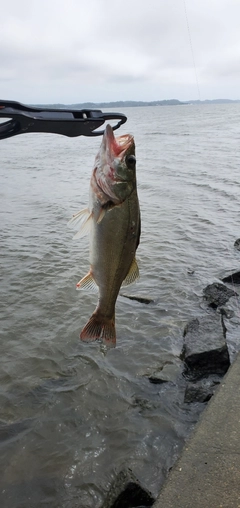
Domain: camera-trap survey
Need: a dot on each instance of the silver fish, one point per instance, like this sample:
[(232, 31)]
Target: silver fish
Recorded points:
[(113, 222)]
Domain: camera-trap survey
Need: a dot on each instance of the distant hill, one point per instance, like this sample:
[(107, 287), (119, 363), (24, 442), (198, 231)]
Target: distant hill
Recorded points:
[(116, 104), (127, 104), (214, 101)]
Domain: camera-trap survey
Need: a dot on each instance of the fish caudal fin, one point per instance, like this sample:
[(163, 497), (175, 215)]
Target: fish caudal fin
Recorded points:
[(100, 328)]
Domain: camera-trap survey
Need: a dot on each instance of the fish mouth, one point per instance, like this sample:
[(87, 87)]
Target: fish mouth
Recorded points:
[(116, 146)]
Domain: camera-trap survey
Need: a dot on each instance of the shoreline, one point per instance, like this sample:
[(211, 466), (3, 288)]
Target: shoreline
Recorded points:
[(207, 474)]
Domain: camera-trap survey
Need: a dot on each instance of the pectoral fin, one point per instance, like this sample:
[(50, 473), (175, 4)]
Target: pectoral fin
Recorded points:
[(82, 221), (132, 275), (101, 215)]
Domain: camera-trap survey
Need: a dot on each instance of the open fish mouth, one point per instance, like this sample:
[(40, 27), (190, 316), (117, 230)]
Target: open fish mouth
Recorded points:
[(116, 146), (113, 174)]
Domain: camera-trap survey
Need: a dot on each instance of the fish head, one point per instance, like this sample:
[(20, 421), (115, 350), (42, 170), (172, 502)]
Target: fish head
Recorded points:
[(115, 166)]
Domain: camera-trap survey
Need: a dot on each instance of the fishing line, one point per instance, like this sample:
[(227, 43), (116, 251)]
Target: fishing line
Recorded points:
[(191, 46)]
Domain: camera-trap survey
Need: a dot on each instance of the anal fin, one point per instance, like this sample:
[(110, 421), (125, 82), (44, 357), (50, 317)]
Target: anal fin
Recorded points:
[(133, 274), (87, 283)]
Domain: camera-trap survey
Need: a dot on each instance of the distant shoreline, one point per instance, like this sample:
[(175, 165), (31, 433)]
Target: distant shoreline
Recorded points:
[(132, 104)]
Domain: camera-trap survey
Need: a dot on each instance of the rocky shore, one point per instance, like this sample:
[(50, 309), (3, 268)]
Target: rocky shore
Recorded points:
[(204, 359)]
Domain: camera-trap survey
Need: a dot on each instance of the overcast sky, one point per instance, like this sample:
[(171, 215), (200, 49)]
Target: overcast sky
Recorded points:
[(72, 51)]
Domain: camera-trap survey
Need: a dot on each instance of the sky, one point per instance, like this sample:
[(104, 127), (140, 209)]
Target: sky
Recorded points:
[(73, 51)]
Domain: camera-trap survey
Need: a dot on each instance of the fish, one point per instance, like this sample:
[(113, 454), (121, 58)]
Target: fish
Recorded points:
[(113, 223)]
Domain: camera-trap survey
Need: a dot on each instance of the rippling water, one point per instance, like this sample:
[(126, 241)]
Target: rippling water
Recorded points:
[(71, 415)]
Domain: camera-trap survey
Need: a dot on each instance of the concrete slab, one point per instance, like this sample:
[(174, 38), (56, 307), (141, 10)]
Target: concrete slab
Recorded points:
[(207, 475)]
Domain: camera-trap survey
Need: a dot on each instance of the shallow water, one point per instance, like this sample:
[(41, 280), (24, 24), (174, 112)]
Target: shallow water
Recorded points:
[(73, 415)]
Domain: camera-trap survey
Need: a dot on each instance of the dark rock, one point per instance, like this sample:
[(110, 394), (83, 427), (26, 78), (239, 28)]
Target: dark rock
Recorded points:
[(11, 431), (217, 294), (234, 278), (157, 380), (168, 373), (201, 391), (140, 299), (127, 492), (227, 313), (205, 351), (144, 405), (237, 244)]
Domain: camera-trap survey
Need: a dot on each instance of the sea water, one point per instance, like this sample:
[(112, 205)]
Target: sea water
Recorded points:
[(73, 415)]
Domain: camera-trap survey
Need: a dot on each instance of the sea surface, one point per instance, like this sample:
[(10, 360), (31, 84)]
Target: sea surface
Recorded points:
[(72, 415)]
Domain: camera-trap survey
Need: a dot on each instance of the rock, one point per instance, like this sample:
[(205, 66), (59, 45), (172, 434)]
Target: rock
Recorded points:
[(205, 351), (217, 294), (168, 373), (127, 492), (154, 379), (138, 298), (201, 391), (11, 431), (227, 313), (234, 278), (237, 244)]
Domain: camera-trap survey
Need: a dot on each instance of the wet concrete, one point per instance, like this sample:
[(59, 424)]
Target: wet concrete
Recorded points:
[(207, 475)]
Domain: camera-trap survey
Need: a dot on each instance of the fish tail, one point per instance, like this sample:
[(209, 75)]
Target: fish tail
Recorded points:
[(100, 327)]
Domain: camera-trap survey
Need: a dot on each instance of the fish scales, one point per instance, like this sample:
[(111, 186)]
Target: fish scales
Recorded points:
[(114, 241), (113, 222)]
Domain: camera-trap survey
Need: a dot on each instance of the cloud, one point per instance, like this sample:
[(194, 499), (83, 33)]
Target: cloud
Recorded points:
[(88, 49)]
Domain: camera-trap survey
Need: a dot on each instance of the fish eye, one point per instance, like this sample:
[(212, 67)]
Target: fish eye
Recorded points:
[(130, 161)]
